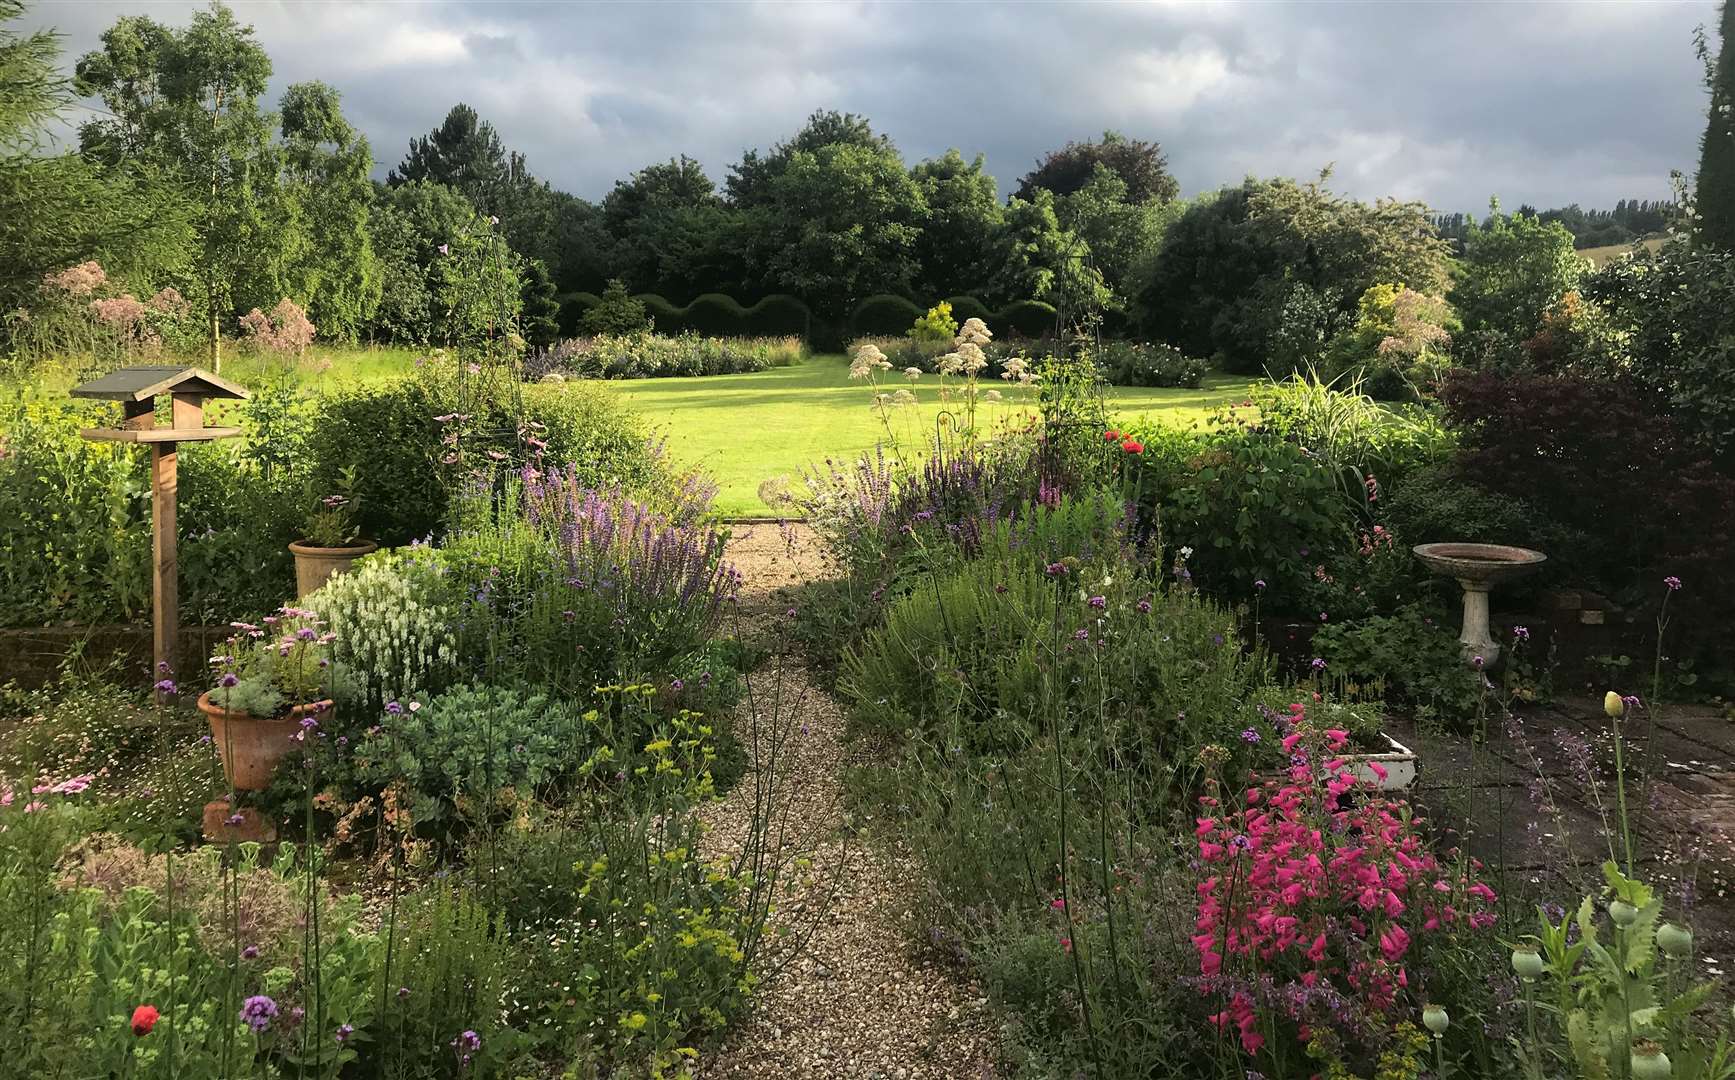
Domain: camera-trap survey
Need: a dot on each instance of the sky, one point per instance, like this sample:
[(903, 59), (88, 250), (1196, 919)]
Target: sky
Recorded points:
[(1542, 103)]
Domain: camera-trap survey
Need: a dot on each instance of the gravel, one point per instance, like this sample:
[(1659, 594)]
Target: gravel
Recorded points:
[(845, 994)]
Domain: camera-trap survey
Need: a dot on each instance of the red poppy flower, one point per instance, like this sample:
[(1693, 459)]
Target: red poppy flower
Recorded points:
[(144, 1019), (1111, 436), (1132, 446)]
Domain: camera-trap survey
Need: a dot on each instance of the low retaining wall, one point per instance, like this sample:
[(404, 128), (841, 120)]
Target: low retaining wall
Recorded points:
[(33, 657)]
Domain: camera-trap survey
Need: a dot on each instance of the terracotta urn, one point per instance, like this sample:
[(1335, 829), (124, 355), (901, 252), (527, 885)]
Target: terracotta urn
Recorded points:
[(249, 747), (314, 566)]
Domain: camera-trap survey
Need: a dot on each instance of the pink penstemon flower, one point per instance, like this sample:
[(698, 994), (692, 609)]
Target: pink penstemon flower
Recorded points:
[(1319, 882)]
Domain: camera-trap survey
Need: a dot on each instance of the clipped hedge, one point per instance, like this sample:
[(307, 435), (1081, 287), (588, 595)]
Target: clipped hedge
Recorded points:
[(1026, 318), (884, 315), (710, 314), (968, 307)]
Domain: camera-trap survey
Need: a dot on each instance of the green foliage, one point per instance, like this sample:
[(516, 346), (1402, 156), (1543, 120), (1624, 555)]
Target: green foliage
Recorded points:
[(955, 248), (1267, 273), (408, 224), (1398, 346), (476, 287), (884, 316), (1671, 311), (1514, 270), (1027, 318), (937, 325), (1714, 193), (326, 201), (645, 356), (1413, 653), (1138, 166), (186, 102), (541, 309), (615, 312), (1127, 363), (832, 222), (386, 431), (478, 747), (1039, 259)]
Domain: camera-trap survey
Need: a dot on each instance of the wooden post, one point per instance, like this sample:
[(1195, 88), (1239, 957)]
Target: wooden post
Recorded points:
[(165, 585)]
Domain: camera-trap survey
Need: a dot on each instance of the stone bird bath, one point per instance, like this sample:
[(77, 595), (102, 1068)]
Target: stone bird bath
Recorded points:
[(1478, 568)]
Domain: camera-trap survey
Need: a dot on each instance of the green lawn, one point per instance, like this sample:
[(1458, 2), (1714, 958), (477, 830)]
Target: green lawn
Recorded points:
[(745, 429)]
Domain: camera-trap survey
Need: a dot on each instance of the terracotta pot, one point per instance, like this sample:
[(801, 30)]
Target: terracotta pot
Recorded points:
[(249, 747), (314, 565)]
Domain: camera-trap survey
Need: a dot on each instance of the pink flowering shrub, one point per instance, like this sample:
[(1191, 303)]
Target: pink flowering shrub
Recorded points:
[(1315, 899), (286, 330), (76, 281)]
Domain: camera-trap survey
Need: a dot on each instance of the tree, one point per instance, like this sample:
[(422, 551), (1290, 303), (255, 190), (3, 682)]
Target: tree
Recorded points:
[(1040, 260), (670, 232), (541, 316), (464, 152), (327, 197), (616, 312), (749, 182), (1513, 272), (1715, 187), (1267, 273), (188, 101), (835, 224), (954, 253), (1140, 165), (1122, 234), (407, 226), (59, 210)]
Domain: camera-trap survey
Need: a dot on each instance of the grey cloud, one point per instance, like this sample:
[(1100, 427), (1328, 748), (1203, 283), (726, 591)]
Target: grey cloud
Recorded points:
[(1585, 101)]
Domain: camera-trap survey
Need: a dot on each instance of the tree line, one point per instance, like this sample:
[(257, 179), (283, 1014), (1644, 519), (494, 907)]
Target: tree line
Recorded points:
[(185, 177)]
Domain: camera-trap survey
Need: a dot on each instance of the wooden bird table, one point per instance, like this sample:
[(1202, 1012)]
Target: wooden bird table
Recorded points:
[(137, 389)]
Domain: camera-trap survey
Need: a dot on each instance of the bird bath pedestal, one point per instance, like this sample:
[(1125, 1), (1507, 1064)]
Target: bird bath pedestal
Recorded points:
[(1478, 568)]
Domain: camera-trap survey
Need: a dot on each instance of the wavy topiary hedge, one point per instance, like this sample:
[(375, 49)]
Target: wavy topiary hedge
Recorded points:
[(782, 315), (711, 314)]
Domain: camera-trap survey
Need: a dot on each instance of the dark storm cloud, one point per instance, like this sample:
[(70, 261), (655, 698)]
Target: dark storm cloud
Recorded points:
[(1540, 103)]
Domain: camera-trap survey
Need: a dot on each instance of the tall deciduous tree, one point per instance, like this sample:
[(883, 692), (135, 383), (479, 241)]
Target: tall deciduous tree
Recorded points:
[(1514, 270), (188, 101), (835, 223), (749, 182), (327, 199), (1140, 165), (1715, 188), (1039, 259), (670, 231), (954, 253)]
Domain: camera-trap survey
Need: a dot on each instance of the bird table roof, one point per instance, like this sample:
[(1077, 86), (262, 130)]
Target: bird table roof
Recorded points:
[(145, 383)]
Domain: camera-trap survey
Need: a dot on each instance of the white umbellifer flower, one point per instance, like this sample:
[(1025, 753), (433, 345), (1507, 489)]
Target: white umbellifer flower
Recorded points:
[(912, 373), (970, 358), (1186, 553), (867, 357), (991, 395), (903, 397), (949, 364), (1013, 368), (974, 332)]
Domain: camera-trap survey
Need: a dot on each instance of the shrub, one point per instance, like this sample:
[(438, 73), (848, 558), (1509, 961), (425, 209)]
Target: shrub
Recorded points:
[(645, 356), (1026, 318), (1413, 653), (1592, 456), (711, 314), (778, 314), (1398, 347), (573, 307), (883, 315), (965, 308), (1515, 268), (615, 312), (1126, 363), (571, 586), (980, 656), (388, 433), (936, 326)]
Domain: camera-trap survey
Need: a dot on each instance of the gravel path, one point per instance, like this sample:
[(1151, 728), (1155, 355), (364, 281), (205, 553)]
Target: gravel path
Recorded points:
[(848, 998)]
